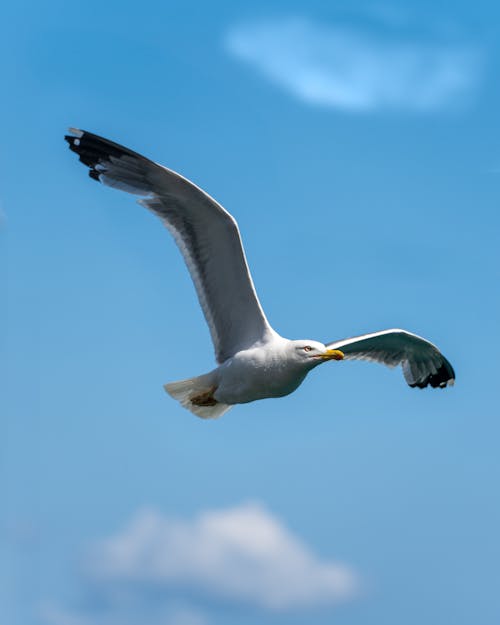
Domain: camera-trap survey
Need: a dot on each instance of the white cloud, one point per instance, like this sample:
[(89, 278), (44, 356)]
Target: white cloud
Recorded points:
[(241, 554), (348, 69)]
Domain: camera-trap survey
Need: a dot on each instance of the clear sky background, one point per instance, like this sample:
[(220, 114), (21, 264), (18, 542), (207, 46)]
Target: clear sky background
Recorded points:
[(358, 147)]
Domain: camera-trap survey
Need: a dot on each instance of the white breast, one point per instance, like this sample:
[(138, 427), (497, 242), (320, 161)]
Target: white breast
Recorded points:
[(258, 373)]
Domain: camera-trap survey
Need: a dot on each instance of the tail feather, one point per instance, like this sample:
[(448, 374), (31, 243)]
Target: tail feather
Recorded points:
[(184, 390)]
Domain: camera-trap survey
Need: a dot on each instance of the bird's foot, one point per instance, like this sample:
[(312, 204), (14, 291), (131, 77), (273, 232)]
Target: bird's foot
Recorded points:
[(205, 399)]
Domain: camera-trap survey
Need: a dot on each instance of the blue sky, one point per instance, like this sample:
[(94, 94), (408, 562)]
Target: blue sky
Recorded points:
[(357, 146)]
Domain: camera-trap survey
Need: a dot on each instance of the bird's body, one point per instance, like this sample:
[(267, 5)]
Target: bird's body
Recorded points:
[(272, 368), (255, 362), (259, 372)]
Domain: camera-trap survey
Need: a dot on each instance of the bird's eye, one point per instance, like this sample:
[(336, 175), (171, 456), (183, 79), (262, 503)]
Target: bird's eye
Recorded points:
[(308, 348)]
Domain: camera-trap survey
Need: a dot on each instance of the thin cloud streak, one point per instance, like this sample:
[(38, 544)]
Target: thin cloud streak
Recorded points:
[(342, 68), (51, 614)]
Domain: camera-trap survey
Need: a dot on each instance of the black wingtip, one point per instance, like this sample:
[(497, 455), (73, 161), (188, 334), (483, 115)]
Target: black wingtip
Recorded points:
[(444, 376), (78, 142), (94, 150)]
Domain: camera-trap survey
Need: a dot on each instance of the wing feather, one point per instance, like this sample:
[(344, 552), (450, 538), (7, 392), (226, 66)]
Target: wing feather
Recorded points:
[(422, 362), (206, 234)]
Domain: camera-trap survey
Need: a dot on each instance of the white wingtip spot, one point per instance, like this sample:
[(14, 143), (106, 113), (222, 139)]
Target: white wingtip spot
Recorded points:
[(76, 131)]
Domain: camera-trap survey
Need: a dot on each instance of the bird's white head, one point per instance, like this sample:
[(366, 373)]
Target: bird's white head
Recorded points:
[(313, 353)]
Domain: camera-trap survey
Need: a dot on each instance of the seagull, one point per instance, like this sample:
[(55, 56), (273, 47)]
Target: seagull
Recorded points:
[(254, 361)]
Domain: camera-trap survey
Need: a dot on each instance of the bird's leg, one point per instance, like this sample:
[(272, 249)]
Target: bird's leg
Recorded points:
[(205, 399)]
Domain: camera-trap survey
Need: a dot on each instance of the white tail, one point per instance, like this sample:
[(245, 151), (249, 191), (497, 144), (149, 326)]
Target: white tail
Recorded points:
[(185, 391)]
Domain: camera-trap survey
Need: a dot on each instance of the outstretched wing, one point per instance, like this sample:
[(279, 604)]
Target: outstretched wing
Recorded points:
[(422, 362), (206, 234)]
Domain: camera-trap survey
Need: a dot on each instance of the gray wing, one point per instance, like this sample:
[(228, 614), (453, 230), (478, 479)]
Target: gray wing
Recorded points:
[(422, 362), (206, 234)]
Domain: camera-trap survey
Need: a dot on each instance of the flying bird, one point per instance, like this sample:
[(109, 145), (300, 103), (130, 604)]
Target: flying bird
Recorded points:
[(254, 361)]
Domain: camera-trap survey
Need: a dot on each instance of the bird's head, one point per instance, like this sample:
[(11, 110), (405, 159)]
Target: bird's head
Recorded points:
[(312, 353)]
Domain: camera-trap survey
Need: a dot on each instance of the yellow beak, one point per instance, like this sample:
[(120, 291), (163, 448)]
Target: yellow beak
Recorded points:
[(332, 354)]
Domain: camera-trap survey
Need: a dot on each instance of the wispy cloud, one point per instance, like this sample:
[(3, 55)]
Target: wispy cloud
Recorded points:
[(170, 571), (357, 70), (122, 613)]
